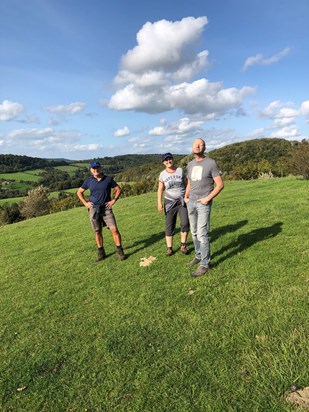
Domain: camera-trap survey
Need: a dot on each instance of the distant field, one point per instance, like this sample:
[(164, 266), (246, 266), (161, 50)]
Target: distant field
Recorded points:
[(20, 199), (11, 200), (81, 165), (30, 176), (71, 169)]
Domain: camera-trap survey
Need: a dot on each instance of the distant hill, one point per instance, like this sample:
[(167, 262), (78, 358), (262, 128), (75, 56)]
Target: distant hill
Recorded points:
[(257, 150), (15, 163), (238, 160), (235, 160), (117, 164)]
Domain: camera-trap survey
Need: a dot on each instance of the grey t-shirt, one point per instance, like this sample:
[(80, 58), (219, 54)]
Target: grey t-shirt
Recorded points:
[(174, 187), (201, 175)]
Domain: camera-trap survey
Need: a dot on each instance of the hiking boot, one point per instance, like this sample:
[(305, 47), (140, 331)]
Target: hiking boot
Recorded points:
[(184, 249), (121, 255), (169, 251), (201, 271), (193, 262), (101, 254)]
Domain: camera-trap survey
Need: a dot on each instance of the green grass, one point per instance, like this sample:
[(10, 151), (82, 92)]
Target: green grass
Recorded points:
[(71, 169), (11, 200), (77, 335), (18, 176), (21, 198)]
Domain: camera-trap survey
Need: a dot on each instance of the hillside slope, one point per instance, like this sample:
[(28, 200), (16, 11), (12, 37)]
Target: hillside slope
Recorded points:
[(79, 335)]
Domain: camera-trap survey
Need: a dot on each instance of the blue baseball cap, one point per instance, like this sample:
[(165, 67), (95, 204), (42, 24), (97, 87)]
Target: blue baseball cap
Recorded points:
[(166, 156), (94, 164)]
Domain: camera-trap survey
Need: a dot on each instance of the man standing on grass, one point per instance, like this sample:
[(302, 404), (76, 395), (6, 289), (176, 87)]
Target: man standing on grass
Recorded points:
[(204, 183), (100, 207)]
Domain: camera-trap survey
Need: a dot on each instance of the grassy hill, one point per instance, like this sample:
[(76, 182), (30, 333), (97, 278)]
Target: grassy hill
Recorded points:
[(77, 335)]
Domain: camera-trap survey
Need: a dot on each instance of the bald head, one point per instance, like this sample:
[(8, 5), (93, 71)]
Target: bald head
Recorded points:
[(198, 147)]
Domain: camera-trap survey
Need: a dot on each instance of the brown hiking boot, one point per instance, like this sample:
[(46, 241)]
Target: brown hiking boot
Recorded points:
[(201, 271), (184, 249), (169, 251), (101, 254), (193, 262), (121, 255)]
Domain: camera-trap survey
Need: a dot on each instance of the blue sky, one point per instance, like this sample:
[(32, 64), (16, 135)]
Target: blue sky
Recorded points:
[(83, 79)]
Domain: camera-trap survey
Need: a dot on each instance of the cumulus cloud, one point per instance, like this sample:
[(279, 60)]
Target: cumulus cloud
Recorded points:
[(122, 132), (258, 59), (64, 110), (156, 75), (10, 110)]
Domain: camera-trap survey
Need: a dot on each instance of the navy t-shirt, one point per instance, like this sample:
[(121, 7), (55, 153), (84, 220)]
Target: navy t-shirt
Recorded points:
[(100, 191)]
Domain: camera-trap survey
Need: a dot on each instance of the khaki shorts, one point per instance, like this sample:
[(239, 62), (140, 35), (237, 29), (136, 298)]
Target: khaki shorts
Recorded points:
[(101, 217)]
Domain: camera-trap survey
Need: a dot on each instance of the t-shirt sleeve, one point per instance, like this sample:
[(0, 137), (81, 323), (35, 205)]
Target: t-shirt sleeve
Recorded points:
[(85, 185), (113, 183), (215, 171)]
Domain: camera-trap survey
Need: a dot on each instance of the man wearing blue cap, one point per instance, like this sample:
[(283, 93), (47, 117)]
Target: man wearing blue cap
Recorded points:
[(100, 207)]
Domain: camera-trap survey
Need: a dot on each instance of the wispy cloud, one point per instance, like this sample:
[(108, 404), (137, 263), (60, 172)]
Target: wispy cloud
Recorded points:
[(64, 110), (259, 59)]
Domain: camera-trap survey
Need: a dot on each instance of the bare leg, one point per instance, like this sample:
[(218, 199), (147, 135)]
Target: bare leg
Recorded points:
[(99, 238), (183, 237), (169, 241), (116, 235)]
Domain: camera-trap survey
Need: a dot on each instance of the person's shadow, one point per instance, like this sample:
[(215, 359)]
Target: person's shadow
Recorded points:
[(144, 243), (220, 231), (245, 241)]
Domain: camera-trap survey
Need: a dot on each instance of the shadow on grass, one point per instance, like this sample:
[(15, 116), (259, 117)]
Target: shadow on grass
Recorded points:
[(220, 231), (245, 241), (144, 243)]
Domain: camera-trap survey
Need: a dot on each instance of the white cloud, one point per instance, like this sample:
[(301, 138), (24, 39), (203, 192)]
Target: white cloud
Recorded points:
[(282, 116), (182, 126), (155, 75), (258, 59), (49, 140), (283, 122), (290, 132), (64, 110), (122, 132), (271, 109), (164, 45), (304, 108), (10, 110)]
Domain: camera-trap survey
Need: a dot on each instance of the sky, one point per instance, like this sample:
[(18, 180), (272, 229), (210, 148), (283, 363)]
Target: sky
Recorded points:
[(87, 79)]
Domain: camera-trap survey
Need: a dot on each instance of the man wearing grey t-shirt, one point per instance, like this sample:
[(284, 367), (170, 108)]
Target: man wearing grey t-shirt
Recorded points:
[(204, 183)]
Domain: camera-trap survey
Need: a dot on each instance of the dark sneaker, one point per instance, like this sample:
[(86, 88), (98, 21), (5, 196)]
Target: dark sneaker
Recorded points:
[(193, 262), (121, 255), (169, 251), (184, 249), (101, 255), (201, 271)]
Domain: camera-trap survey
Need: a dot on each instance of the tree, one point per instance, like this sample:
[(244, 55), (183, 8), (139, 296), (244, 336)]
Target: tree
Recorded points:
[(36, 203), (299, 160)]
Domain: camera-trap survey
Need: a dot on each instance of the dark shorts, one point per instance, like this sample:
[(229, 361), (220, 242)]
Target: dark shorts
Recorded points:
[(100, 217), (171, 217)]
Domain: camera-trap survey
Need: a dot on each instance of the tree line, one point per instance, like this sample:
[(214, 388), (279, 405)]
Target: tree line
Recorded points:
[(246, 160)]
